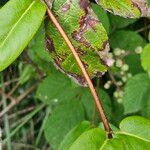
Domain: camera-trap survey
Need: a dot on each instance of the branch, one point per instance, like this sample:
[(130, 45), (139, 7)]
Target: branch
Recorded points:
[(85, 74), (15, 102)]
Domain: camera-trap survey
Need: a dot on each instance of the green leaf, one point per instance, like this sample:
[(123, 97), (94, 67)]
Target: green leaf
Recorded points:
[(52, 87), (125, 142), (136, 93), (86, 34), (73, 135), (89, 140), (88, 103), (102, 16), (145, 58), (125, 8), (137, 126), (120, 22), (19, 21), (26, 74), (134, 134), (37, 45), (146, 108), (129, 40), (62, 120)]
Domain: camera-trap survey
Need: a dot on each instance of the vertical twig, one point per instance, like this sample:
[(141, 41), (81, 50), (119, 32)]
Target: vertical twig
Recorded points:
[(6, 121), (85, 74)]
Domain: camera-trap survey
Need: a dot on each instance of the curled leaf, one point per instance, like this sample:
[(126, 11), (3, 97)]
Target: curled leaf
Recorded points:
[(86, 34)]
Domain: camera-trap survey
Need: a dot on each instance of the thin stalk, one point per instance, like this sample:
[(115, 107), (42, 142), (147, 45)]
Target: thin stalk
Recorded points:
[(6, 120), (84, 72)]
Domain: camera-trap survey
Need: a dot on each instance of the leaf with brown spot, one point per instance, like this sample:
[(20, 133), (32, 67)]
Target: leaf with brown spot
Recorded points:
[(125, 8), (86, 34)]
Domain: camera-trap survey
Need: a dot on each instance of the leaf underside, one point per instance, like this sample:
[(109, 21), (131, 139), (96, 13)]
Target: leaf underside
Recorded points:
[(86, 34)]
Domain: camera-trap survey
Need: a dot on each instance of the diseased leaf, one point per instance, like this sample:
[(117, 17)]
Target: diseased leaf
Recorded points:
[(19, 21), (125, 8), (86, 34)]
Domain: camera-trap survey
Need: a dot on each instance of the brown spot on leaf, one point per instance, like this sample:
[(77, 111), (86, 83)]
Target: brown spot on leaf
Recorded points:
[(142, 6), (49, 44), (84, 4), (66, 6)]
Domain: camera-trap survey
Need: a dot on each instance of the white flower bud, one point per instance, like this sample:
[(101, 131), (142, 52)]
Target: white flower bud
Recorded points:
[(138, 50), (125, 67), (120, 93), (106, 86), (117, 52), (119, 63), (122, 51), (119, 83), (124, 79), (119, 100), (116, 95), (129, 75), (122, 72)]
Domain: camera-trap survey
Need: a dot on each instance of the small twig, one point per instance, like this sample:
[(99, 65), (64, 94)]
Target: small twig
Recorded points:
[(113, 79), (15, 102), (85, 74), (14, 89), (6, 121)]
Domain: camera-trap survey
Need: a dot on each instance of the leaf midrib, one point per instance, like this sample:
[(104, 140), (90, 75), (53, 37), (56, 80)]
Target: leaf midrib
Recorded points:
[(14, 26)]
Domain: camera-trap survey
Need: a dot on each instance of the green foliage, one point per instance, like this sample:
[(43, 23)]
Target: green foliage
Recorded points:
[(60, 121), (125, 8), (20, 26), (136, 93), (145, 58), (60, 114), (129, 137)]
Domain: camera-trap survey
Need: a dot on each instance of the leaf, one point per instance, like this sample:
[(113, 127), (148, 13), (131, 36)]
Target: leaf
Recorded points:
[(88, 103), (26, 74), (52, 87), (120, 22), (135, 93), (19, 21), (102, 16), (129, 40), (89, 140), (125, 142), (86, 34), (145, 58), (73, 135), (37, 45), (136, 125), (146, 108), (62, 120), (125, 8), (133, 135)]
